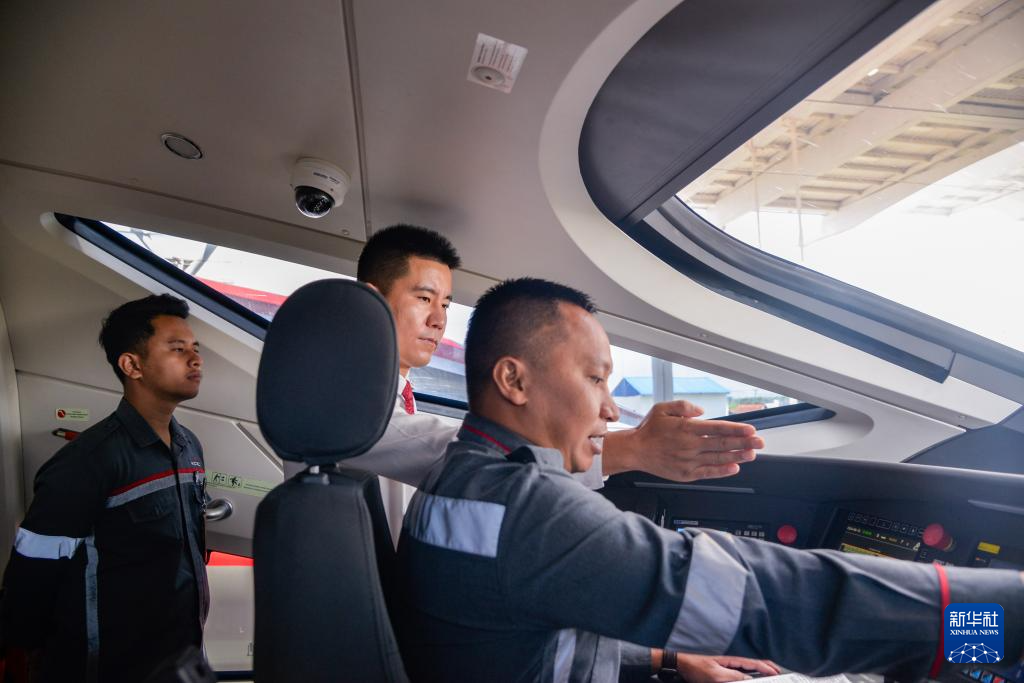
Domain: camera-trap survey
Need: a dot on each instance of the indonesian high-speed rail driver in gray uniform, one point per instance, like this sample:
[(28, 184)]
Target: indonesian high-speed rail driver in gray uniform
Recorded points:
[(513, 571)]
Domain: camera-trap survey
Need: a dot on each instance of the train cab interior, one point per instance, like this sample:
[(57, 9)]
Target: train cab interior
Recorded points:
[(805, 216)]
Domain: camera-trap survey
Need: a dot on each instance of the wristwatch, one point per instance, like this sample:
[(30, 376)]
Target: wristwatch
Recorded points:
[(669, 670)]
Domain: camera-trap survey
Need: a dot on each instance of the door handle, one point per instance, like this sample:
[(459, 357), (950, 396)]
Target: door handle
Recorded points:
[(218, 509)]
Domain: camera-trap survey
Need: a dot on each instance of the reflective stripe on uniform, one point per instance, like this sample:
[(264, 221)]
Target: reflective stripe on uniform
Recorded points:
[(152, 484), (564, 653), (141, 490), (37, 546), (468, 526), (92, 612), (713, 601)]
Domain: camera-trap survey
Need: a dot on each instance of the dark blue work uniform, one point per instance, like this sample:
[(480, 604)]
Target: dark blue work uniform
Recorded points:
[(510, 570), (107, 575)]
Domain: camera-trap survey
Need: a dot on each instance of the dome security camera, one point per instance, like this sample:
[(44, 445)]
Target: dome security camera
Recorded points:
[(318, 186)]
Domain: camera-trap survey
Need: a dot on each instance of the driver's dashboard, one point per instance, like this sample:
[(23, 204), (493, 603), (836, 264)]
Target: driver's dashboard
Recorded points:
[(919, 513)]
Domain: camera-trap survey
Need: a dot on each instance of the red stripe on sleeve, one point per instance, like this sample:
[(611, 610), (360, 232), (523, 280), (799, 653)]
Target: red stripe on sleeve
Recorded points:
[(944, 592)]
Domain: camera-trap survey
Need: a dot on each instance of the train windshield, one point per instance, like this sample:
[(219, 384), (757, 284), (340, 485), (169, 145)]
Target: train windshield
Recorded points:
[(902, 175)]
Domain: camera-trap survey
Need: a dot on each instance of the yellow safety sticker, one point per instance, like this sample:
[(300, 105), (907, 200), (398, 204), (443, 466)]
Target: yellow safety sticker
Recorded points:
[(76, 414), (991, 548), (233, 482)]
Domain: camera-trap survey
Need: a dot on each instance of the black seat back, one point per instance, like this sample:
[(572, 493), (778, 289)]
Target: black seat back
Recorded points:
[(322, 550)]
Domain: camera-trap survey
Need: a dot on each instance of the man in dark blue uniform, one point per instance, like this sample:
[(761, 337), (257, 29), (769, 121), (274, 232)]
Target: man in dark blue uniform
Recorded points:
[(509, 570), (107, 577)]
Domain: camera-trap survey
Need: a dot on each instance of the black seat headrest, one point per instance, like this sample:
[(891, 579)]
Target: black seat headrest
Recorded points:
[(328, 374)]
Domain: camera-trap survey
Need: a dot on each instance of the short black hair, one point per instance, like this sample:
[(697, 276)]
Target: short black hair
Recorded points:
[(385, 258), (514, 318), (130, 325)]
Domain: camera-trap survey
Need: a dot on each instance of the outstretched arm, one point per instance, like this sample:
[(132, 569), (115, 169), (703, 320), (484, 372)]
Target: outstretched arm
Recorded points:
[(410, 446), (672, 444), (817, 612)]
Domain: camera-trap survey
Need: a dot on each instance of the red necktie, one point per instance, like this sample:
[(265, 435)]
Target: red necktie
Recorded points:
[(410, 405)]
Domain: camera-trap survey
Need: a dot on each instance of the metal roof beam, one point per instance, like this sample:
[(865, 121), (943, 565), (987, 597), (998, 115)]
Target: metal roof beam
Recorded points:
[(915, 29), (854, 213), (948, 81)]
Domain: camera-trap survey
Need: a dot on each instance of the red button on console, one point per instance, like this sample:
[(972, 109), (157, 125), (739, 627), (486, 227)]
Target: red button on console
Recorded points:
[(935, 536), (786, 534)]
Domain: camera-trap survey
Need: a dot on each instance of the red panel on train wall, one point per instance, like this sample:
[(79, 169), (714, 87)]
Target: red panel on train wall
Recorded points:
[(227, 560)]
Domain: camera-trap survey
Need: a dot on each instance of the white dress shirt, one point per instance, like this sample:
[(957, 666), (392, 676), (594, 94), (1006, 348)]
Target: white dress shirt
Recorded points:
[(410, 446), (413, 443)]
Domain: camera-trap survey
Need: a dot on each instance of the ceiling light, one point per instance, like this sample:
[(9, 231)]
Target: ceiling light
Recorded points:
[(873, 71), (182, 146)]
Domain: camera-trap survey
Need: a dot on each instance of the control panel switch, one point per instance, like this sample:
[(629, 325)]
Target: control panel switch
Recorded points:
[(936, 536), (786, 534)]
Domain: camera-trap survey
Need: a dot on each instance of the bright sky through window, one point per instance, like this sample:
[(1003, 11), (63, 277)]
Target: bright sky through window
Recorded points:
[(903, 175)]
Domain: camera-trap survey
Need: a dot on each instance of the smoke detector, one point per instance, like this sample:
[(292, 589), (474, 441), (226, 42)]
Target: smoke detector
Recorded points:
[(495, 63)]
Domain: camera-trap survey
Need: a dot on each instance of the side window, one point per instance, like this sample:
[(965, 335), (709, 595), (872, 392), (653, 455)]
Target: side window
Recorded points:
[(639, 381), (261, 284), (633, 382)]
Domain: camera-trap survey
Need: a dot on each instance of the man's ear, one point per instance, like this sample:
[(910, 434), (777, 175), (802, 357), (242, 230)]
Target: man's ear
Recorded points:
[(511, 377), (130, 365)]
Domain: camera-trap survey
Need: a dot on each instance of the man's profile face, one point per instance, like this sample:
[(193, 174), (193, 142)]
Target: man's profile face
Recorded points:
[(419, 301), (568, 400), (170, 367)]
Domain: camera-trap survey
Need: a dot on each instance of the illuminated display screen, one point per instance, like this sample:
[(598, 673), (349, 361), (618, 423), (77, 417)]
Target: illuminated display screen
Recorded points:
[(868, 535)]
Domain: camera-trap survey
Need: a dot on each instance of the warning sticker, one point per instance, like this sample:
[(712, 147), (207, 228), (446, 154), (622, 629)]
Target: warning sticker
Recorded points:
[(76, 414), (233, 482)]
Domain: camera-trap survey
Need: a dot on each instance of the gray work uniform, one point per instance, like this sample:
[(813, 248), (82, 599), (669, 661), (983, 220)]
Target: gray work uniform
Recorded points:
[(108, 574), (512, 571)]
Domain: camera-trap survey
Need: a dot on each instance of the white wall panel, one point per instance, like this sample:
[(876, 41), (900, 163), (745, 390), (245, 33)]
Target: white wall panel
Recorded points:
[(11, 491)]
